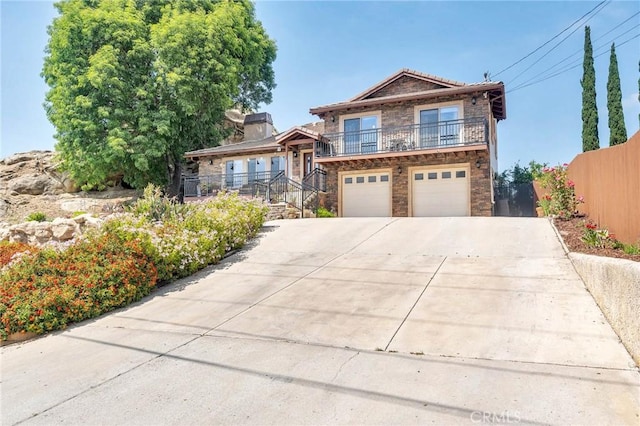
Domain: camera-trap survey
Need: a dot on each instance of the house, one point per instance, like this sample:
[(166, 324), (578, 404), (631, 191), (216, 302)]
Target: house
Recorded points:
[(261, 156), (412, 145)]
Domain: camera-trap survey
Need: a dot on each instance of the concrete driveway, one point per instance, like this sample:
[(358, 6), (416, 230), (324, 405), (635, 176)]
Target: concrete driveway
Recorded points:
[(361, 321)]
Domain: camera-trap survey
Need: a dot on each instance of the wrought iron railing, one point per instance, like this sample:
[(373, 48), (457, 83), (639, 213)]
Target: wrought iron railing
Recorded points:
[(207, 185), (316, 179), (300, 195), (468, 131), (274, 187)]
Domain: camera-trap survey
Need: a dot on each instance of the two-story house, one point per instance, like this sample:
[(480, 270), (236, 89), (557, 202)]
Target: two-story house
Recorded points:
[(412, 145)]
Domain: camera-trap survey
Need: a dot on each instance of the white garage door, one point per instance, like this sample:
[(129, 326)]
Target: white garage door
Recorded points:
[(367, 194), (440, 192)]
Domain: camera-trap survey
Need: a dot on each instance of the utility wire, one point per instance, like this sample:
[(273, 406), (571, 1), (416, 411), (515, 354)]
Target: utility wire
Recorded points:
[(576, 62), (568, 69), (558, 43), (549, 41), (548, 70)]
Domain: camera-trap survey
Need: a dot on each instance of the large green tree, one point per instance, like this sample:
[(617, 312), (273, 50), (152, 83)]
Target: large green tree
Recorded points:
[(589, 107), (136, 83), (617, 129)]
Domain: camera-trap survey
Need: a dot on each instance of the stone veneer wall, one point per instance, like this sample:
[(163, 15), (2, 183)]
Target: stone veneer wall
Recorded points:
[(480, 178), (405, 84), (401, 114)]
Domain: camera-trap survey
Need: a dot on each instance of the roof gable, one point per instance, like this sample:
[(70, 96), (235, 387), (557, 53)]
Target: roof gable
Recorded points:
[(297, 132), (406, 81)]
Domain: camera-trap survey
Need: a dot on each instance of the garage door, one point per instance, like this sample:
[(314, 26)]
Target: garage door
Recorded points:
[(367, 194), (440, 192)]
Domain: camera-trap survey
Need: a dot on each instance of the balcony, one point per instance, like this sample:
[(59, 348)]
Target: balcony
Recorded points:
[(415, 137)]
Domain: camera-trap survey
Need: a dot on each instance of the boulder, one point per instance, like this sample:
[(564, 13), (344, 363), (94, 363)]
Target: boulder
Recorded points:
[(33, 184), (42, 233), (88, 221), (20, 157), (64, 229)]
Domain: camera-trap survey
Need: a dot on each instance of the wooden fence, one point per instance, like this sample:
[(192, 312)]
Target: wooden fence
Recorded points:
[(609, 180)]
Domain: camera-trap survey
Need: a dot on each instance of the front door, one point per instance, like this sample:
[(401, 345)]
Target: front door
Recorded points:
[(307, 159)]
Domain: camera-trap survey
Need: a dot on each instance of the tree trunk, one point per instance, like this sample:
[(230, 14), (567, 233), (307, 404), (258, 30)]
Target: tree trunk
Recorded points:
[(175, 180)]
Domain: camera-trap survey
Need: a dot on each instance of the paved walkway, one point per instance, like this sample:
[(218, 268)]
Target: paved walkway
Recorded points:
[(361, 321)]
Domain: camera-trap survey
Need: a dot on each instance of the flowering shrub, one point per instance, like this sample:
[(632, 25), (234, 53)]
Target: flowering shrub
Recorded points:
[(561, 199), (155, 206), (598, 238), (157, 240), (183, 239), (10, 251), (49, 289)]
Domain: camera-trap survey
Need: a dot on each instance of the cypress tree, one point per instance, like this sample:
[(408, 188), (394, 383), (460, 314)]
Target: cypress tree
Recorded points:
[(589, 107), (617, 130)]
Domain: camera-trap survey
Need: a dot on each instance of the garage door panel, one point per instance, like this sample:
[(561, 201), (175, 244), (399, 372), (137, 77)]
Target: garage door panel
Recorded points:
[(366, 195), (440, 192)]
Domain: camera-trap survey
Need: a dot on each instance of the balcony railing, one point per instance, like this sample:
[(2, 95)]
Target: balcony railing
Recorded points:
[(443, 134)]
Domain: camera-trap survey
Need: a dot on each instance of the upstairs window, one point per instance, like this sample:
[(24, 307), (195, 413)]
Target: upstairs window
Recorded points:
[(361, 134), (440, 126)]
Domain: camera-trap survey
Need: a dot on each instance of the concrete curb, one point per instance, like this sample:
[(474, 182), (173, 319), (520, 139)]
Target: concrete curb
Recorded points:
[(564, 247), (614, 284)]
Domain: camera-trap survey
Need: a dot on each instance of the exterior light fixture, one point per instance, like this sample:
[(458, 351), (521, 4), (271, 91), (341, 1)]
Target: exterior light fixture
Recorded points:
[(473, 100), (333, 118), (210, 162), (478, 163), (295, 154), (399, 170)]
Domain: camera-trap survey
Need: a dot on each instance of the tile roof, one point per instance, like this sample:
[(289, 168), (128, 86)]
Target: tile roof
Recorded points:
[(235, 147), (467, 88), (311, 130)]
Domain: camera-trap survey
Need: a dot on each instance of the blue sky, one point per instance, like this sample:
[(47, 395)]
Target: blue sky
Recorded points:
[(330, 51)]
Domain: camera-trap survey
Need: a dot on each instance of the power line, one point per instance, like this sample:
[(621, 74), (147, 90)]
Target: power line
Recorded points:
[(558, 43), (568, 69), (549, 41), (573, 64), (615, 27), (599, 38)]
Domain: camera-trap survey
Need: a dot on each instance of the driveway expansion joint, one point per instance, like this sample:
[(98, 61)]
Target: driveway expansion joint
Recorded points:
[(415, 303)]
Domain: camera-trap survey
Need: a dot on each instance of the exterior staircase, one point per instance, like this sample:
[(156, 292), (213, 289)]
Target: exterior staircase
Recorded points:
[(274, 188)]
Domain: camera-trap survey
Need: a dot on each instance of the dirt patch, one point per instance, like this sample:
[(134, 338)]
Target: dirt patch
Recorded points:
[(572, 232)]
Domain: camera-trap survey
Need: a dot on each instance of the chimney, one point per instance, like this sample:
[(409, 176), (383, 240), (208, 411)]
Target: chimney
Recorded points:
[(258, 126)]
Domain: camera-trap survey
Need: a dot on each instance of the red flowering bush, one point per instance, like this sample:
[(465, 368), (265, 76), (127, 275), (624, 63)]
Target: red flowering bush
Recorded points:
[(50, 289), (9, 250), (597, 237), (561, 199)]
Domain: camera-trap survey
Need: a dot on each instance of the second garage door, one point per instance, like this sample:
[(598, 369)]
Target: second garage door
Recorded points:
[(440, 192), (366, 194)]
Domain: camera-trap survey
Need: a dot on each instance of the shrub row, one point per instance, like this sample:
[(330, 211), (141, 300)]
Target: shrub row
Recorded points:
[(50, 289), (158, 240), (184, 238)]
